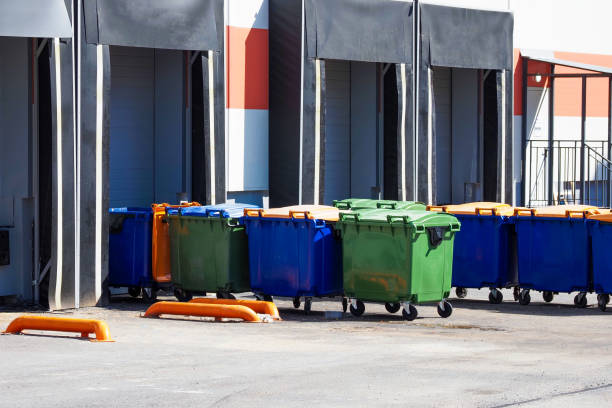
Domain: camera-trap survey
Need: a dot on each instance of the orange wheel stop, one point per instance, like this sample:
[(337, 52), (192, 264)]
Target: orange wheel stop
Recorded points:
[(203, 310), (61, 324), (258, 306)]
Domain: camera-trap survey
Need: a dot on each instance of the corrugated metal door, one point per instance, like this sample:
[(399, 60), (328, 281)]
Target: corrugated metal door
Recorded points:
[(132, 151), (337, 130), (443, 133)]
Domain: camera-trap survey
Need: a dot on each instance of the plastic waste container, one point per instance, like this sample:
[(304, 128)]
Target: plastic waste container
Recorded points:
[(553, 252), (600, 226), (294, 252), (357, 203), (209, 250), (129, 258), (485, 250), (401, 258), (162, 272)]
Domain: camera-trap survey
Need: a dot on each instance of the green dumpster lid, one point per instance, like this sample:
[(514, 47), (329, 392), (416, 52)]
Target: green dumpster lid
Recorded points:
[(354, 203), (411, 217)]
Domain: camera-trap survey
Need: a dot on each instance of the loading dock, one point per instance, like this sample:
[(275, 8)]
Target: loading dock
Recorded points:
[(34, 66)]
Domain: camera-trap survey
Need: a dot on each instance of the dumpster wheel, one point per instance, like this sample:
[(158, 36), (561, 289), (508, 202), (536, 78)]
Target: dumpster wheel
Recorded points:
[(182, 295), (307, 305), (357, 309), (548, 296), (296, 302), (149, 294), (524, 297), (602, 301), (580, 300), (411, 314), (134, 291), (392, 307), (461, 292), (495, 296), (445, 309)]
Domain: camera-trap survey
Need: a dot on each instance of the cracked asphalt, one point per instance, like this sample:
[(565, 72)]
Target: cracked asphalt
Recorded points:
[(541, 355)]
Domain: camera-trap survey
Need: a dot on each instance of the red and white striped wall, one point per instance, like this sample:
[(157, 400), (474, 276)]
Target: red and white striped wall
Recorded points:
[(246, 30)]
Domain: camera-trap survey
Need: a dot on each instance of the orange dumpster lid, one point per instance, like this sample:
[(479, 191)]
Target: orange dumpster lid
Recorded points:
[(481, 208), (319, 212), (560, 211), (604, 215)]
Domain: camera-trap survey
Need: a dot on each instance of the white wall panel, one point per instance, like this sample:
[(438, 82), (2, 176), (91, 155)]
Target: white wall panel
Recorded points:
[(248, 13), (248, 149)]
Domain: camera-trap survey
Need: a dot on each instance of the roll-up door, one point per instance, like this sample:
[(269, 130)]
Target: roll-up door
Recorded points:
[(443, 133), (132, 154), (337, 130)]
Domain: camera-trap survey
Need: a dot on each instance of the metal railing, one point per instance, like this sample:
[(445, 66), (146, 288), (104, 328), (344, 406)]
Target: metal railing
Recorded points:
[(571, 184)]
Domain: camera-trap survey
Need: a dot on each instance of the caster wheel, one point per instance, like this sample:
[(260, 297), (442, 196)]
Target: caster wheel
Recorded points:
[(358, 311), (149, 294), (296, 302), (461, 292), (134, 291), (411, 314), (524, 297), (548, 296), (344, 304), (602, 301), (307, 305), (182, 295), (516, 293), (267, 298), (392, 307), (447, 311), (495, 297), (580, 300)]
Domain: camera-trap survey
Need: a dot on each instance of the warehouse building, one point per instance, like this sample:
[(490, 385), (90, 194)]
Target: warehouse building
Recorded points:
[(393, 107)]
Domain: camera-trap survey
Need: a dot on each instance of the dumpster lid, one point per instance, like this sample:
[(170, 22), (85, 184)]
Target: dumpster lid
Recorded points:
[(312, 212), (604, 215), (161, 208), (353, 203), (413, 217), (227, 210), (479, 208), (130, 210), (559, 211)]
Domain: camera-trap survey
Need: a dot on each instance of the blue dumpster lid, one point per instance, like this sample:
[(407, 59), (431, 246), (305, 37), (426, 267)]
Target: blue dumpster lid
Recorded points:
[(130, 210), (227, 210)]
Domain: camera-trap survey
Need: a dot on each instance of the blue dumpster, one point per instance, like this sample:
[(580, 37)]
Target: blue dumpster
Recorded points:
[(553, 252), (129, 258), (485, 249), (295, 252), (601, 236)]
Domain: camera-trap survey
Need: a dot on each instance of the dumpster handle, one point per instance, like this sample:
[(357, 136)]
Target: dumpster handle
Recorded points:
[(521, 212), (354, 216), (341, 205), (229, 222), (484, 211), (305, 214), (575, 214), (211, 213), (250, 212), (455, 227), (319, 223), (390, 206), (404, 218), (436, 208)]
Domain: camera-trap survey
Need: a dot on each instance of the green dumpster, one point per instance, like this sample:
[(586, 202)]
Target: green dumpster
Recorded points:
[(361, 203), (397, 257), (209, 250)]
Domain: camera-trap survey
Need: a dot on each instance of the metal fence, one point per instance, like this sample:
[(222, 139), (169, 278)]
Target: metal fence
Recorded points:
[(571, 183)]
